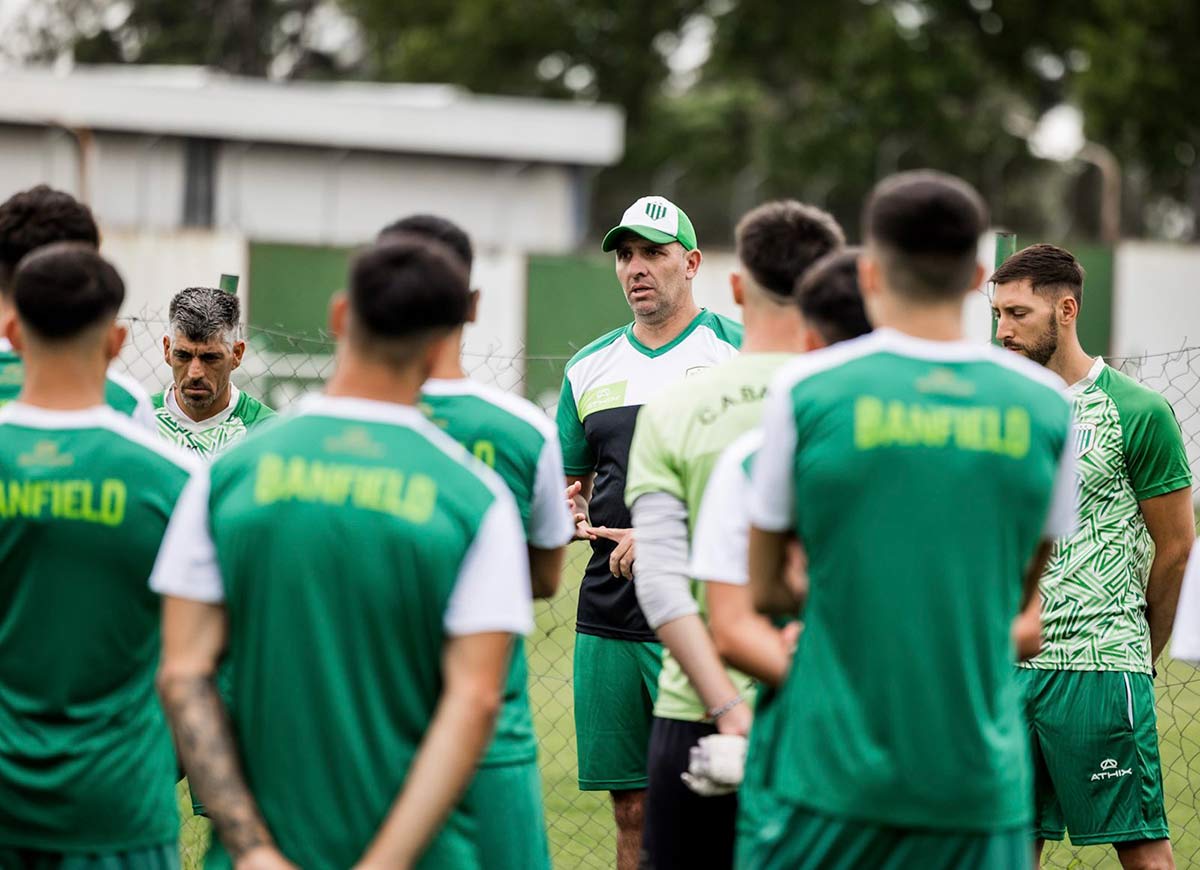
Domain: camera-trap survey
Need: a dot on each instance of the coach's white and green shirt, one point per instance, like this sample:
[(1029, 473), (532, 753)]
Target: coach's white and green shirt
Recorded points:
[(347, 542), (1128, 447), (919, 477), (121, 392), (86, 759), (207, 438), (604, 387), (517, 439), (679, 436)]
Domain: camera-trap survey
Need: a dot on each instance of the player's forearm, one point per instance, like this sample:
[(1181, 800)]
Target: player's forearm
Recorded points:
[(1162, 593), (545, 570), (692, 646), (445, 762), (750, 643), (209, 756), (768, 566)]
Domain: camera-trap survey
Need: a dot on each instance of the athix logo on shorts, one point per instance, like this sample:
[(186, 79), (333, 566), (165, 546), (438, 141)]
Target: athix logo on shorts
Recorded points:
[(656, 210), (1109, 769)]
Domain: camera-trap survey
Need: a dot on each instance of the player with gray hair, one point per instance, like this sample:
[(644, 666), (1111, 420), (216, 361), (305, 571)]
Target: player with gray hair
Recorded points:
[(203, 411)]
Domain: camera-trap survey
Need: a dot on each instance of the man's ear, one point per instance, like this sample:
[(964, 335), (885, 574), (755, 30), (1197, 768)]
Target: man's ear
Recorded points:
[(1068, 309), (239, 349), (738, 287), (115, 341), (167, 349), (473, 306), (339, 309), (12, 331), (691, 262)]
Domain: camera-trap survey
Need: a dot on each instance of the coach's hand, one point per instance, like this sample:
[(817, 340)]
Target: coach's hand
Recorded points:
[(583, 526), (620, 563), (263, 858)]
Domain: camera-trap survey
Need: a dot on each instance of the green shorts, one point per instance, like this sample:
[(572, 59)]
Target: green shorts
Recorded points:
[(505, 802), (616, 684), (793, 838), (1096, 769), (164, 857)]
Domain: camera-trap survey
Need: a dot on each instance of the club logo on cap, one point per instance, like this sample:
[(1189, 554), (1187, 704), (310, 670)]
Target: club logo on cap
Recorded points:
[(656, 210)]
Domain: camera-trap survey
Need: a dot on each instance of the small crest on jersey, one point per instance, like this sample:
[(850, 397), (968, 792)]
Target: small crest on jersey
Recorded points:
[(46, 455), (355, 441), (945, 382), (695, 370), (1085, 438)]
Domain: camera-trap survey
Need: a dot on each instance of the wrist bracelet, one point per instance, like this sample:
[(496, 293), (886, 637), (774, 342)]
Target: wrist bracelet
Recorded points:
[(717, 712)]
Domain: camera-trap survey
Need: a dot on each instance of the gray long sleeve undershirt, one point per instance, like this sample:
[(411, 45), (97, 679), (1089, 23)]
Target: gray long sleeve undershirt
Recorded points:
[(661, 540)]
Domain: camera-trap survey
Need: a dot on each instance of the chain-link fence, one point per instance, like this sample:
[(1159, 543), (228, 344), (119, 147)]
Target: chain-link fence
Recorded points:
[(279, 367)]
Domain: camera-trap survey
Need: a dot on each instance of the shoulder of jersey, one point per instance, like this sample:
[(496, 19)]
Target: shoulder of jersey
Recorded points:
[(1135, 396), (814, 362), (130, 431), (726, 328), (159, 400), (126, 383), (515, 406), (463, 457), (599, 344)]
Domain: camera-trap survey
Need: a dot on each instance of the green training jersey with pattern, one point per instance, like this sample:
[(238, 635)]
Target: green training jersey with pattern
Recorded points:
[(86, 760), (515, 438), (348, 542), (1128, 448), (207, 438), (121, 392), (920, 478), (679, 436)]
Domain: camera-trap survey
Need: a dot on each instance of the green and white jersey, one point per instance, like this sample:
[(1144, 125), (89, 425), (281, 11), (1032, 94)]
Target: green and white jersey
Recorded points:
[(1128, 448), (347, 542), (920, 478), (678, 437), (721, 535), (207, 438), (86, 759), (514, 437), (121, 392)]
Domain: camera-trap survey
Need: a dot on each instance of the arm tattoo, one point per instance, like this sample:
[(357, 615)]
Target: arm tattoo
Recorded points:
[(209, 756)]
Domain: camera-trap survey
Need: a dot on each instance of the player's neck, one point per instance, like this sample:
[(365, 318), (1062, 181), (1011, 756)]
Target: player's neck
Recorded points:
[(655, 335), (358, 378), (63, 381), (217, 407), (771, 328), (448, 365), (1070, 362), (939, 322)]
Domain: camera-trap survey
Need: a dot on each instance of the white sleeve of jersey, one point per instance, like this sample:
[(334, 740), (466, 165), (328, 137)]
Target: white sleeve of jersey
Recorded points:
[(186, 566), (1185, 643), (492, 592), (771, 501), (721, 541), (550, 524), (143, 410), (1062, 517)]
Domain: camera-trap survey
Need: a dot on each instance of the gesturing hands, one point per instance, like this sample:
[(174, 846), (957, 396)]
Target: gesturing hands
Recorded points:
[(621, 560), (583, 526)]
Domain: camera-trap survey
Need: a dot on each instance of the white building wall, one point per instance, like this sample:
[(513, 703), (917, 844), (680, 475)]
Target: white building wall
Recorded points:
[(319, 196), (137, 181), (37, 155)]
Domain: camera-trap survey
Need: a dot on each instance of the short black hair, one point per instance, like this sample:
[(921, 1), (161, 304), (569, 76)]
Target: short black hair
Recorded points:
[(202, 312), (406, 289), (778, 241), (41, 216), (927, 225), (1049, 268), (830, 298), (431, 226), (62, 289)]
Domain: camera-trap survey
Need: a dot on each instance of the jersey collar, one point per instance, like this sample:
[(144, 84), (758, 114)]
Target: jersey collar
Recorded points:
[(181, 417), (36, 417), (670, 345), (366, 410), (1085, 383)]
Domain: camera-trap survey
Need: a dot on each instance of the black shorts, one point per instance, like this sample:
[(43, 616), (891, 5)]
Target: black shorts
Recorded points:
[(683, 829)]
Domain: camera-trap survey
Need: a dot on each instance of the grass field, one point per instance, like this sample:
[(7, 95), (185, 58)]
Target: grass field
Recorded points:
[(580, 823)]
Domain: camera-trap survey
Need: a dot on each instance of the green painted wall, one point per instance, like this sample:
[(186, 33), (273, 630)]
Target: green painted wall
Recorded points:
[(1096, 314), (571, 300), (290, 289)]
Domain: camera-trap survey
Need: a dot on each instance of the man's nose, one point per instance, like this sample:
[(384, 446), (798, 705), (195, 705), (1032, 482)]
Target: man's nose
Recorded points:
[(195, 369), (1004, 328)]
